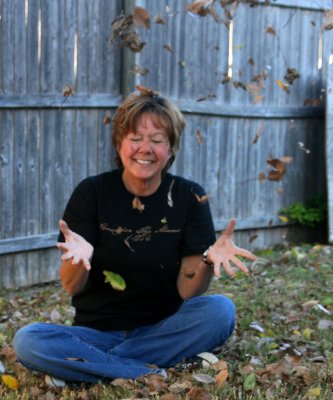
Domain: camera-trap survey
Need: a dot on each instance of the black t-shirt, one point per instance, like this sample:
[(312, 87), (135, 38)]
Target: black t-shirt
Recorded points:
[(144, 247)]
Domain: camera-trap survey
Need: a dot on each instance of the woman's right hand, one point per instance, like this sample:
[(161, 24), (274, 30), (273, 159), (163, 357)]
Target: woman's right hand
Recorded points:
[(75, 247)]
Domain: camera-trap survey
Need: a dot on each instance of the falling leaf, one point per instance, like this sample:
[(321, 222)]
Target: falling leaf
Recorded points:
[(167, 47), (279, 169), (252, 238), (271, 30), (203, 8), (203, 378), (115, 280), (302, 147), (169, 195), (137, 205), (159, 20), (291, 75), (10, 382), (209, 96), (124, 34), (145, 91), (258, 134), (107, 118), (328, 20), (249, 382), (283, 218), (283, 85), (68, 91), (136, 70), (238, 84), (201, 199), (199, 136), (141, 17)]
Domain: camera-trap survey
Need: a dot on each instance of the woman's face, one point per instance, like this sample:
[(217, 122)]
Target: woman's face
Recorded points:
[(145, 152)]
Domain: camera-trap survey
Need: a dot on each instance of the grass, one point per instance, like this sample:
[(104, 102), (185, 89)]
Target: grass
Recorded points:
[(282, 347)]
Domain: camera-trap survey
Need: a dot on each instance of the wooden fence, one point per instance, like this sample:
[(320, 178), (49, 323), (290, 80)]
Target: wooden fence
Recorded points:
[(230, 84)]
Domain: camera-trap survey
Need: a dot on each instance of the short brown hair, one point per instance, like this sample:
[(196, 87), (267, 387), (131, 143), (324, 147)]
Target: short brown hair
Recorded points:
[(163, 112)]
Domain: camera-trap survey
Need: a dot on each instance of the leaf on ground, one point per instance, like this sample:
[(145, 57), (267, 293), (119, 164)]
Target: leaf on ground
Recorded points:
[(249, 382), (10, 382), (282, 367), (221, 376), (122, 382), (203, 378), (178, 387), (115, 280), (196, 393), (155, 382), (324, 324)]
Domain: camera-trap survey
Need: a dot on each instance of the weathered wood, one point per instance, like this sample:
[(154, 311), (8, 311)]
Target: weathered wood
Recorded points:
[(329, 149), (48, 143), (97, 100), (26, 243)]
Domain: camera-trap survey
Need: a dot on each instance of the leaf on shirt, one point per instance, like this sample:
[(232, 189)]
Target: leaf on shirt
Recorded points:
[(115, 280), (137, 205), (201, 199)]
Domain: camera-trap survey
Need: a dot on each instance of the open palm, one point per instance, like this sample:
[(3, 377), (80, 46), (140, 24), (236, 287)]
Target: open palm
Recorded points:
[(75, 247), (224, 251)]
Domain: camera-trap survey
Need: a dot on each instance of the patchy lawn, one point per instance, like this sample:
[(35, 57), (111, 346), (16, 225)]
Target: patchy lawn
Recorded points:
[(282, 347)]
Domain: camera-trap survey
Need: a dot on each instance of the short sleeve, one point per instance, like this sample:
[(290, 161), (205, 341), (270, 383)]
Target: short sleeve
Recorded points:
[(199, 231), (81, 211)]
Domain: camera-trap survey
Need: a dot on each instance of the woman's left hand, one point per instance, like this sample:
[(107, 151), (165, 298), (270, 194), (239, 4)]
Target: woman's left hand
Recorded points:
[(224, 251)]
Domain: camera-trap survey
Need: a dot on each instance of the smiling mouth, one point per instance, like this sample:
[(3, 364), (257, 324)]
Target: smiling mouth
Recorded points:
[(144, 162)]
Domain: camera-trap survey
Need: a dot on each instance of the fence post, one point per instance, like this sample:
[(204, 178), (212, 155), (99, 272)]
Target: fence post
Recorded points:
[(329, 149)]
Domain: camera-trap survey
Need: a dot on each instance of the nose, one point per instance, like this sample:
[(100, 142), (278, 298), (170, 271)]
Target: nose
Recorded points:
[(146, 146)]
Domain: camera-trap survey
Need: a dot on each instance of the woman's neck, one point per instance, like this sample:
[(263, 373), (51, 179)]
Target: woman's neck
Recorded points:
[(140, 187)]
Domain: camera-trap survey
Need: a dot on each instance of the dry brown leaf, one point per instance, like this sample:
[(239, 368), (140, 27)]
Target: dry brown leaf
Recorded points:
[(137, 205), (279, 169), (169, 396), (145, 91), (261, 176), (271, 30), (199, 136), (196, 393), (167, 47), (201, 199), (139, 70), (291, 75), (155, 382), (107, 118), (124, 34), (258, 134), (159, 20), (328, 20), (178, 387), (283, 85), (200, 7), (68, 91), (280, 368), (141, 17)]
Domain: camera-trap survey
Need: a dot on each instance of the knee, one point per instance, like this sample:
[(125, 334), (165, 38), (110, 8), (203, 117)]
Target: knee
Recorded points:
[(26, 340), (222, 312)]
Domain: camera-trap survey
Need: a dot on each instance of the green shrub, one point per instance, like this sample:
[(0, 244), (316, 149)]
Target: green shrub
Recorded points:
[(309, 214)]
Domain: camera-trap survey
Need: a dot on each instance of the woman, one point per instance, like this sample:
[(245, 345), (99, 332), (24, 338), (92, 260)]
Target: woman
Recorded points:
[(153, 229)]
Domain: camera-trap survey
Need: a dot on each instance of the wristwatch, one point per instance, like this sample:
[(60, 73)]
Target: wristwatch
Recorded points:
[(205, 258)]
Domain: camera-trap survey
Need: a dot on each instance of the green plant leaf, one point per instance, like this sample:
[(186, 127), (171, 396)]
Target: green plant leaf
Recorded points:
[(249, 382), (115, 280)]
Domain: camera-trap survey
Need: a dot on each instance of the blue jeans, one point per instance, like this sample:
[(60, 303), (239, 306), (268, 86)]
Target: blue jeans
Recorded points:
[(76, 353)]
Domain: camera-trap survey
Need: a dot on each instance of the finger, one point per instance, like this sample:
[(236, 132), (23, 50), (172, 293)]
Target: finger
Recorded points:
[(66, 256), (62, 246), (240, 265), (228, 269), (76, 260), (245, 253), (64, 228), (230, 227), (86, 264)]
